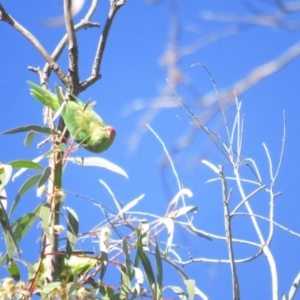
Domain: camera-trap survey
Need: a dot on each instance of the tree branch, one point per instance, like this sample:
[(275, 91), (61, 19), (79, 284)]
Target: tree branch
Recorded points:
[(227, 219), (114, 7), (4, 16), (73, 83)]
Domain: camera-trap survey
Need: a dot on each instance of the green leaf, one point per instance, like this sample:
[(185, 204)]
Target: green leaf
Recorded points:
[(13, 270), (127, 259), (107, 291), (74, 285), (45, 215), (125, 284), (147, 266), (190, 284), (9, 238), (73, 227), (169, 223), (98, 162), (45, 176), (159, 269), (35, 128), (22, 225), (28, 164), (22, 170), (104, 261), (29, 138), (24, 188)]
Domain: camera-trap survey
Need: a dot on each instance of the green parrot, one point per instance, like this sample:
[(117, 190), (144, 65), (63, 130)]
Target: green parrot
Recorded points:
[(84, 125), (79, 263)]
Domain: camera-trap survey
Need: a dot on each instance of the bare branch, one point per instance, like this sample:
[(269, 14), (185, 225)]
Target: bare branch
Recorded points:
[(294, 287), (73, 48), (85, 23), (227, 219), (4, 16), (268, 220), (114, 7)]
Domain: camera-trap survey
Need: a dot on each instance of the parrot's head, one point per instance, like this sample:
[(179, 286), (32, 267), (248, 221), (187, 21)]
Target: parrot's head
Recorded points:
[(101, 139)]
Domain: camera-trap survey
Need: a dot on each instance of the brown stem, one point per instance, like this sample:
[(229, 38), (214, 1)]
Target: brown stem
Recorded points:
[(73, 83)]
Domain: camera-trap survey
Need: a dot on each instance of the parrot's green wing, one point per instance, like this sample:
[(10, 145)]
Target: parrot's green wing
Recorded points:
[(45, 97)]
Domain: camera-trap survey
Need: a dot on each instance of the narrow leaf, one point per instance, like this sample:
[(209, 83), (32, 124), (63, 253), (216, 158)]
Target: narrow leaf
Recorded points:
[(104, 262), (190, 284), (35, 128), (131, 204), (181, 193), (22, 170), (13, 270), (10, 241), (22, 225), (45, 216), (125, 284), (73, 227), (127, 259), (3, 198), (24, 188), (28, 164), (169, 223), (159, 269), (29, 138), (147, 266), (182, 211), (74, 285), (180, 293), (197, 232), (98, 162), (45, 176), (139, 277)]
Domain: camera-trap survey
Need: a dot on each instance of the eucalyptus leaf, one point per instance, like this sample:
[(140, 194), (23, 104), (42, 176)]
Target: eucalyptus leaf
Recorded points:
[(35, 128), (98, 162), (28, 164), (28, 184)]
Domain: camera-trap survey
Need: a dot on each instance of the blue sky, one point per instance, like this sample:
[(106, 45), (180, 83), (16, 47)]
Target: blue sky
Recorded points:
[(132, 74)]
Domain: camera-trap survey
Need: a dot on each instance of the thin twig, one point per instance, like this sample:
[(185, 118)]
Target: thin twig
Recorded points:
[(170, 160), (294, 287), (247, 198), (268, 220)]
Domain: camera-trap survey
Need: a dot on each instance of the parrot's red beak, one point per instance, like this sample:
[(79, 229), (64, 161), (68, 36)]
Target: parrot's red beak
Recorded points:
[(111, 132)]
